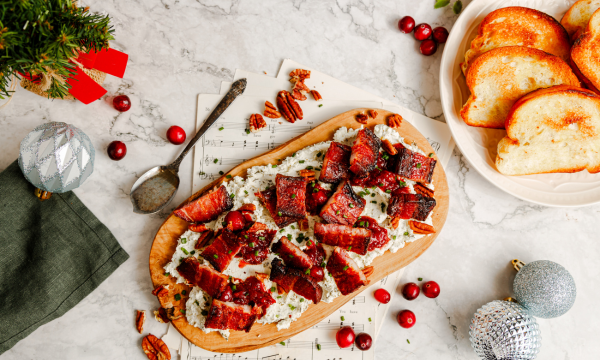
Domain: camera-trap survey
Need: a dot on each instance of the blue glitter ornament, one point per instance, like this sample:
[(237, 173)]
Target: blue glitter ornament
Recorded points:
[(546, 289), (56, 157)]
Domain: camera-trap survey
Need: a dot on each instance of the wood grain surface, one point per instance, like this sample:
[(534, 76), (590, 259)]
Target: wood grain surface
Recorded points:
[(165, 242)]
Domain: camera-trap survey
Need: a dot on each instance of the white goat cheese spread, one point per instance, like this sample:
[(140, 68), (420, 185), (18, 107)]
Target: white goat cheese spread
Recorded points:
[(290, 306)]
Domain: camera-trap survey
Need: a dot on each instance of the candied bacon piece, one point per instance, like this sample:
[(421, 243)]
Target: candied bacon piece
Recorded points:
[(385, 180), (348, 277), (252, 292), (256, 240), (352, 239), (365, 152), (206, 208), (296, 280), (220, 253), (291, 254), (227, 315), (291, 195), (315, 252), (412, 165), (344, 206), (268, 198), (316, 197), (410, 206), (379, 235), (210, 281), (336, 163)]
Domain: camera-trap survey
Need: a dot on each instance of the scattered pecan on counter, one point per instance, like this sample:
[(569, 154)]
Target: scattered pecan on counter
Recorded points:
[(161, 316), (421, 228), (394, 121), (362, 118), (289, 108), (140, 320), (316, 95), (257, 122), (299, 89), (155, 348), (271, 111), (372, 114)]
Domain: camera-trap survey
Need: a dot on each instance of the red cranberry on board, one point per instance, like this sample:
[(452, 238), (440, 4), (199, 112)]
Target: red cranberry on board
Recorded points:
[(423, 31), (122, 103), (363, 341), (345, 337), (440, 34), (406, 24), (382, 296), (176, 135), (410, 291), (227, 294), (235, 220), (316, 272), (406, 319), (116, 150), (428, 47), (431, 289)]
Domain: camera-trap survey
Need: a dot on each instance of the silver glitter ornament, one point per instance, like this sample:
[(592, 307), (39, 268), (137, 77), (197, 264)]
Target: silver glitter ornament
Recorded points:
[(56, 157), (545, 289), (502, 330)]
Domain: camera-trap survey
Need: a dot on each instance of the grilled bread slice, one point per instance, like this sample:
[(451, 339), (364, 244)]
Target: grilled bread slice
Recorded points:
[(577, 17), (499, 77), (552, 130), (519, 26), (586, 52)]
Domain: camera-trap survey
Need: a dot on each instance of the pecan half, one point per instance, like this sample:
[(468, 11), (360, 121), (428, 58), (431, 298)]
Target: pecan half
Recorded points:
[(248, 207), (140, 320), (171, 313), (271, 111), (315, 94), (425, 191), (203, 239), (299, 89), (161, 316), (303, 224), (368, 271), (161, 291), (388, 147), (197, 227), (289, 108), (280, 290), (395, 222), (394, 121), (155, 348), (261, 276), (362, 118), (257, 122), (308, 174), (372, 114), (298, 95), (299, 75), (421, 228)]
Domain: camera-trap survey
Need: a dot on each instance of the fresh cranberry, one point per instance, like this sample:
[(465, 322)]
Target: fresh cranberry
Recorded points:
[(406, 24), (382, 296), (122, 103), (431, 289), (428, 47), (317, 273), (176, 135), (227, 294), (235, 220), (345, 337), (440, 34), (363, 341), (406, 319), (116, 150), (410, 291), (423, 31)]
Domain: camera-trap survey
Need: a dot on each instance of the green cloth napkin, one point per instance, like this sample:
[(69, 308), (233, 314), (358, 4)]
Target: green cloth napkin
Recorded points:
[(52, 255)]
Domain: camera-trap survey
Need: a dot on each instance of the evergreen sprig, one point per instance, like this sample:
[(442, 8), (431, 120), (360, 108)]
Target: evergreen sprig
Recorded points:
[(36, 35)]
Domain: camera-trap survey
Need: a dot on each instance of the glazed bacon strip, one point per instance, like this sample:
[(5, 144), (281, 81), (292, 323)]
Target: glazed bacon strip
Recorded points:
[(210, 281), (347, 275), (344, 206), (336, 163), (410, 206), (315, 252), (220, 253), (296, 280), (227, 315), (256, 240), (291, 254), (268, 198), (206, 208), (412, 165), (365, 152), (350, 238), (252, 292), (291, 196)]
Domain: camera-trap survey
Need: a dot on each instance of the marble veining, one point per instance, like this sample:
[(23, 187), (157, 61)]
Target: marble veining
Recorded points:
[(180, 48)]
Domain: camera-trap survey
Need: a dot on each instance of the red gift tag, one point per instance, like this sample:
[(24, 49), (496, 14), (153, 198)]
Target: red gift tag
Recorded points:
[(84, 88), (87, 59), (111, 61), (36, 79)]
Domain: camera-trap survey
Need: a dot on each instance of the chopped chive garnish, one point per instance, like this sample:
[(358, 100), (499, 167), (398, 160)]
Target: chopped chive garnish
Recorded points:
[(245, 236), (294, 155), (370, 320), (362, 223), (197, 303), (166, 274), (204, 312), (256, 253), (221, 128), (380, 184), (282, 343), (273, 166), (279, 297), (292, 307), (323, 264), (291, 256), (307, 271), (221, 173), (345, 267), (351, 206), (183, 241), (301, 161), (420, 279), (279, 213), (388, 191), (406, 233), (430, 155), (183, 292), (228, 176), (251, 244), (345, 216), (232, 196), (343, 318), (408, 341), (394, 237), (289, 236), (293, 227), (373, 195), (319, 345), (261, 237), (229, 252), (350, 247), (301, 299), (401, 183), (216, 161), (177, 297), (233, 287), (192, 252), (216, 256), (337, 212), (319, 154), (418, 165), (273, 289), (293, 196), (362, 194), (373, 202), (184, 251), (247, 131), (246, 192)]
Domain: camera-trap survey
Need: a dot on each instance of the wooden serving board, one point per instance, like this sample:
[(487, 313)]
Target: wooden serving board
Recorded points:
[(165, 242)]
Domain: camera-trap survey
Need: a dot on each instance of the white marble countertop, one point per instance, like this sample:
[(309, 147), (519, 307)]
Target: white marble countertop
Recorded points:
[(179, 48)]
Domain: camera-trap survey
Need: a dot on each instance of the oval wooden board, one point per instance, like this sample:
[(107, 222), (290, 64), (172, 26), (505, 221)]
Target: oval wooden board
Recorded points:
[(165, 242)]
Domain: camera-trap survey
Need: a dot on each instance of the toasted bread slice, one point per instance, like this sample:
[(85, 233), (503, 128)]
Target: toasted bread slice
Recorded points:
[(519, 26), (499, 77), (586, 52), (578, 15), (552, 130)]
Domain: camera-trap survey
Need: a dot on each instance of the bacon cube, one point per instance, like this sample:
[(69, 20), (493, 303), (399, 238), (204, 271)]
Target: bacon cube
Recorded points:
[(206, 208), (210, 281), (365, 152), (227, 315), (347, 275), (412, 165), (268, 198), (410, 206), (291, 196), (336, 163), (344, 206), (291, 254), (353, 239), (220, 253), (296, 280)]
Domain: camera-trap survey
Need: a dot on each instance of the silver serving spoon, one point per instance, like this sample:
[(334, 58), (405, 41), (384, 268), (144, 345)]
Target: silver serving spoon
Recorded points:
[(157, 187)]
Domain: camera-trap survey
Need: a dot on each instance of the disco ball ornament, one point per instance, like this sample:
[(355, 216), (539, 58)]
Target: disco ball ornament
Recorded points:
[(546, 289), (56, 158), (503, 330)]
